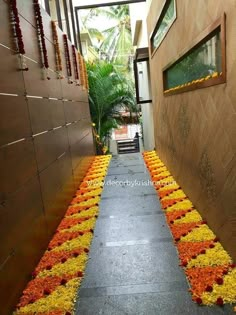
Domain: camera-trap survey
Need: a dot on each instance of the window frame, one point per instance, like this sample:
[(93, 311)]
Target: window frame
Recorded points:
[(90, 6), (47, 7), (158, 23), (201, 39), (59, 20), (141, 56), (67, 19)]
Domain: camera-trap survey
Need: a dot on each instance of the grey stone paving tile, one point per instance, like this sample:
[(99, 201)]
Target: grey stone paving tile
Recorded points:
[(137, 264), (163, 303), (132, 169), (135, 289), (126, 206), (137, 184), (131, 228)]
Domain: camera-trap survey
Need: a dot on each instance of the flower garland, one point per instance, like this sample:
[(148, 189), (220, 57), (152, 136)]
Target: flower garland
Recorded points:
[(75, 64), (208, 77), (67, 56), (17, 34), (81, 70), (57, 50), (56, 279), (85, 76), (41, 37), (208, 267)]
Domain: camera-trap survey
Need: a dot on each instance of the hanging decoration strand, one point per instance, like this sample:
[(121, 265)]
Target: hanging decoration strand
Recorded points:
[(75, 64), (86, 76), (17, 34), (57, 50), (67, 56), (81, 69), (41, 36)]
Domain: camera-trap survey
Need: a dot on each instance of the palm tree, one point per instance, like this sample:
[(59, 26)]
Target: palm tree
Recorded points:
[(116, 41), (85, 22), (117, 44), (109, 92)]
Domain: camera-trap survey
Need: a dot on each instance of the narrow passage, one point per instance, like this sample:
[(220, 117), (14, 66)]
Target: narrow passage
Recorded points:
[(133, 266)]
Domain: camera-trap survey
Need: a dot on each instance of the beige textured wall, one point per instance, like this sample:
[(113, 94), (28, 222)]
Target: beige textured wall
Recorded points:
[(195, 132)]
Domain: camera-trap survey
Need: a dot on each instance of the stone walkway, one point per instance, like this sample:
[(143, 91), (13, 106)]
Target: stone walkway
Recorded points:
[(134, 267)]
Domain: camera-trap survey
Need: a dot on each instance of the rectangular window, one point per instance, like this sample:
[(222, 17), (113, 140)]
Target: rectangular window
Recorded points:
[(203, 65), (55, 12), (142, 76), (164, 23)]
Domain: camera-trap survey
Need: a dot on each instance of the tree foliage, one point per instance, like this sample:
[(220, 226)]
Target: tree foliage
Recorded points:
[(115, 42), (109, 92)]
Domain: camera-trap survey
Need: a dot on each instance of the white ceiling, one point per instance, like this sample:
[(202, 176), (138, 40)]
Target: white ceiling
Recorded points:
[(95, 2)]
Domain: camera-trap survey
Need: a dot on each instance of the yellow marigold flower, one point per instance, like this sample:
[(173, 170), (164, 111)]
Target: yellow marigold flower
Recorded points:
[(70, 267), (93, 193), (182, 205), (85, 225), (192, 216), (90, 202), (91, 212), (62, 298), (169, 186), (226, 290), (166, 181), (216, 256), (82, 241), (155, 164), (202, 233), (175, 195), (165, 173), (215, 74), (162, 169), (95, 175)]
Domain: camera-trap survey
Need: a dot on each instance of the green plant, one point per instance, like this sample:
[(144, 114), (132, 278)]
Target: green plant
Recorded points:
[(109, 92)]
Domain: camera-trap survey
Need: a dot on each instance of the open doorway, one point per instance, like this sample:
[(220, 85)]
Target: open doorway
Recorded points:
[(105, 40)]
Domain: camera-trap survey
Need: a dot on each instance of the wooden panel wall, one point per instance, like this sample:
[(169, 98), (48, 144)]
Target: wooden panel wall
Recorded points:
[(195, 132), (46, 146)]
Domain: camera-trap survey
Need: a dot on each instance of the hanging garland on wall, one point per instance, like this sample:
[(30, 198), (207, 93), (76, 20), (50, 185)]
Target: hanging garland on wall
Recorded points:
[(41, 37), (83, 72), (17, 34), (75, 64), (86, 76), (57, 50), (67, 56), (81, 69)]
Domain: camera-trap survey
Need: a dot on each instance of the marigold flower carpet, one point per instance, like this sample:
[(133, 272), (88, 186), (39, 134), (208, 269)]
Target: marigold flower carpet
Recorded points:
[(208, 267), (56, 279)]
